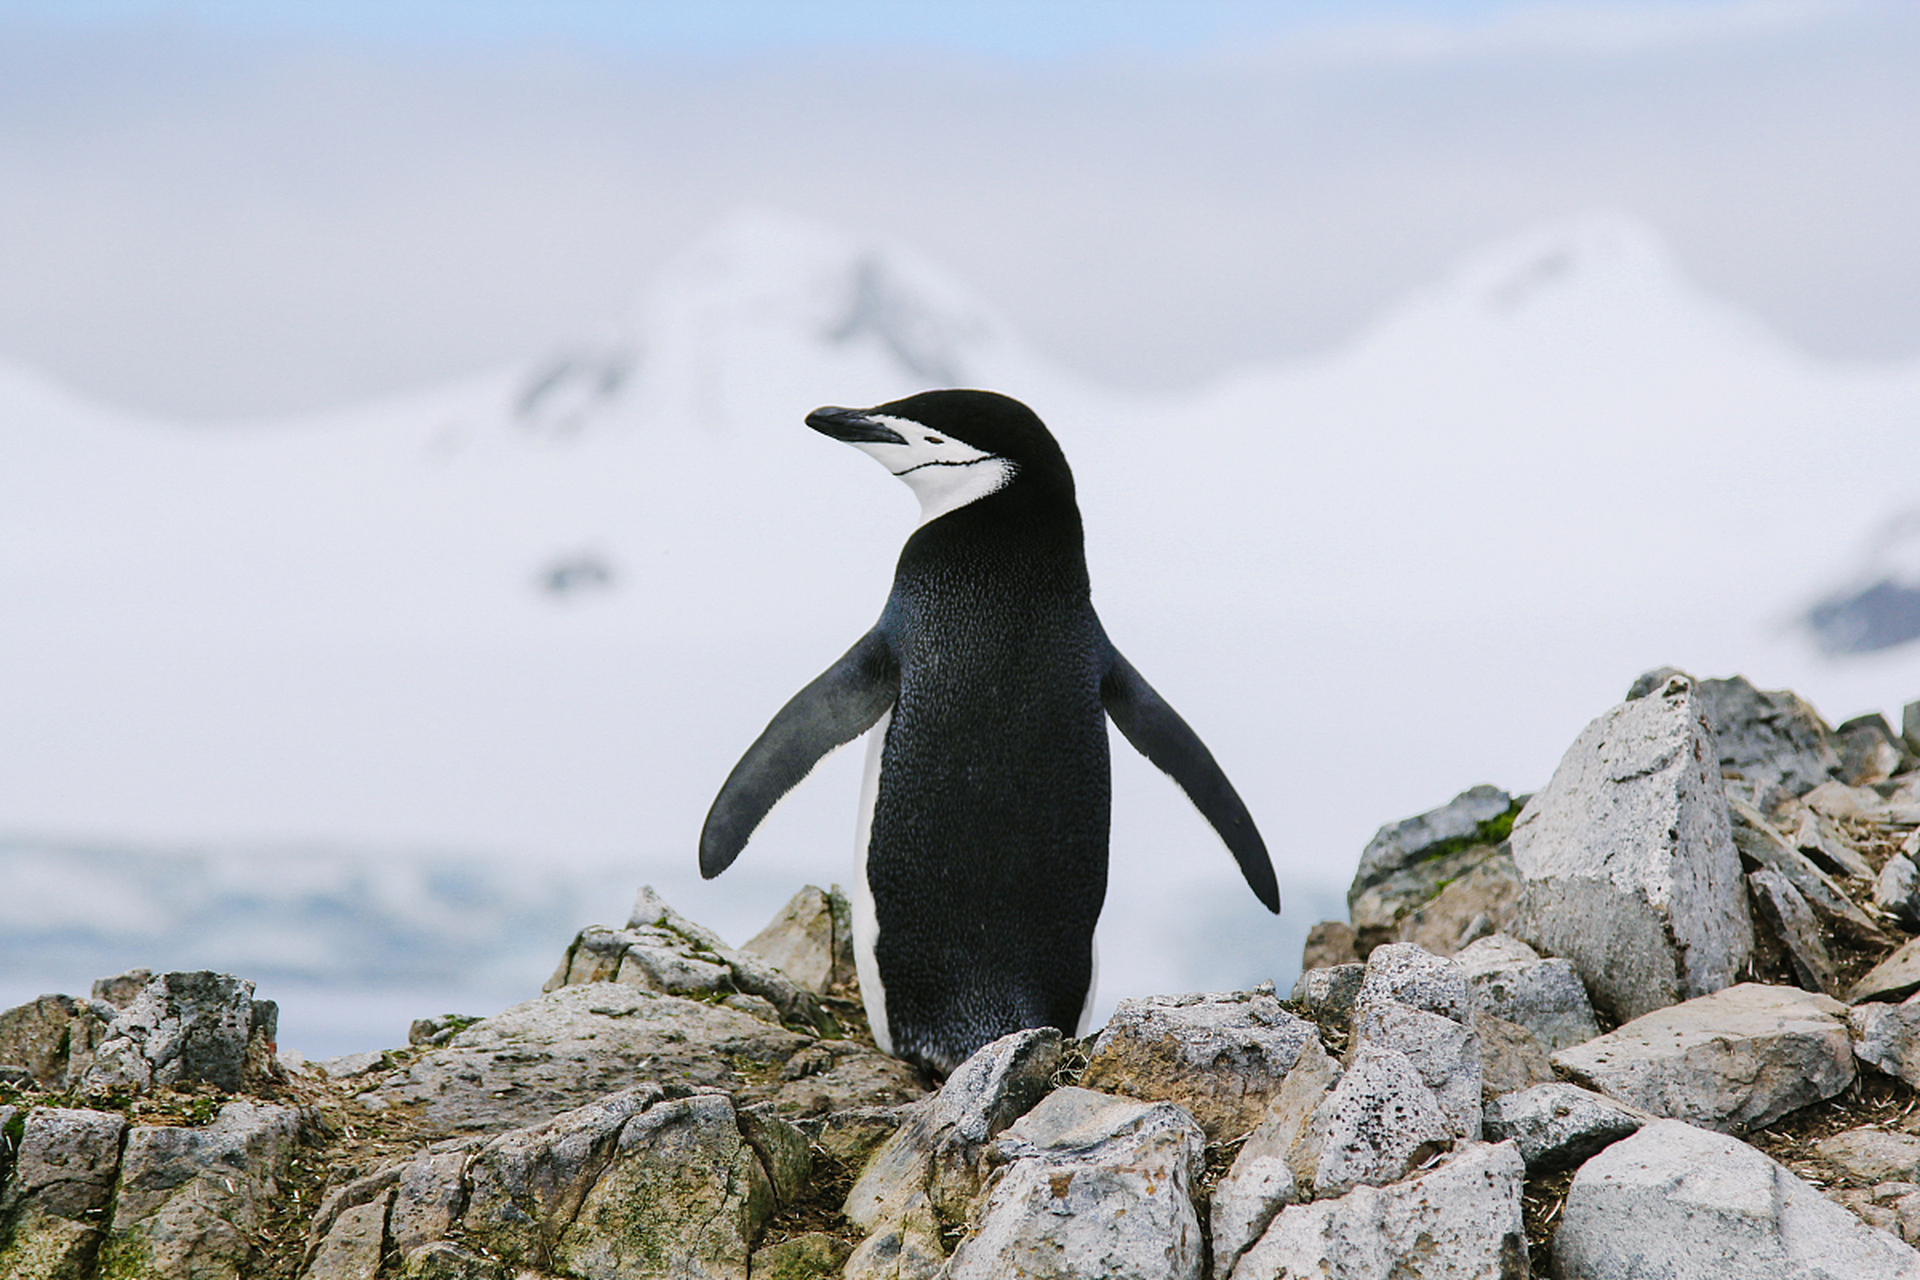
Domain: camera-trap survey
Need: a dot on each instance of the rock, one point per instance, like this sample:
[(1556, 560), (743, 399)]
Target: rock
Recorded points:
[(60, 1189), (1096, 1186), (185, 1028), (562, 1050), (1414, 976), (1511, 1057), (1509, 980), (1680, 1202), (1445, 1053), (1887, 1037), (1895, 978), (1731, 1061), (1275, 1165), (852, 1136), (1817, 837), (192, 1201), (1896, 890), (429, 1195), (811, 940), (1772, 741), (1330, 943), (1418, 898), (1461, 822), (1629, 863), (51, 1035), (445, 1260), (1910, 726), (1761, 846), (1872, 1155), (1220, 1056), (1783, 914), (907, 1249), (349, 1065), (1327, 995), (353, 1247), (813, 1256), (1557, 1126), (1870, 751), (120, 989), (1377, 1124), (1479, 900), (936, 1153), (1460, 1220)]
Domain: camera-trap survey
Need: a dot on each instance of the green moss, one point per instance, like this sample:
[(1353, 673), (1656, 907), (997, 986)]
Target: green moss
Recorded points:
[(1492, 831)]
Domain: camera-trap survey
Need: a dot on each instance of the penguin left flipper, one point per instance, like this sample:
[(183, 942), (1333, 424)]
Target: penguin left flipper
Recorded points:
[(841, 703), (1157, 732)]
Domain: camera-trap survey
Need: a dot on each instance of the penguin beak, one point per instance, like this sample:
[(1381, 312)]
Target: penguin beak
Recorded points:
[(852, 426)]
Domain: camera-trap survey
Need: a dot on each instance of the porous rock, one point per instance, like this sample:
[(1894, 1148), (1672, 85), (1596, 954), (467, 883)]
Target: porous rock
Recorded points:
[(1445, 1053), (1684, 1203), (1096, 1186), (1378, 1123), (1275, 1165), (1771, 741), (1221, 1056), (1477, 897), (1557, 1125), (1731, 1061), (1509, 980), (1412, 975), (1629, 863), (1460, 1220), (1329, 943)]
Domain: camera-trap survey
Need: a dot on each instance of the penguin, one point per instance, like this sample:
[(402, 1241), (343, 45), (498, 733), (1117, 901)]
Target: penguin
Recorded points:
[(985, 688)]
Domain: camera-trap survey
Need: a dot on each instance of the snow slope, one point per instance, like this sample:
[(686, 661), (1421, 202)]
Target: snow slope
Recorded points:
[(520, 629)]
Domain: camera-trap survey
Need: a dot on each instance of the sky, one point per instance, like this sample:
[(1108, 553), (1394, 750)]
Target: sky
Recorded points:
[(234, 211)]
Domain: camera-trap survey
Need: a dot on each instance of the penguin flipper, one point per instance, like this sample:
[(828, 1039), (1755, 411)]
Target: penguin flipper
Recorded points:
[(841, 703), (1157, 732)]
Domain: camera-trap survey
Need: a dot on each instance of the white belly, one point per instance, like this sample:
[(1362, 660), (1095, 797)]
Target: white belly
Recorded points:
[(866, 926)]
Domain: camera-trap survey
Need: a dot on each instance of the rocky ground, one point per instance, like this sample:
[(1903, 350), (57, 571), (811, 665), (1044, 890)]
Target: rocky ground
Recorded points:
[(1658, 1019)]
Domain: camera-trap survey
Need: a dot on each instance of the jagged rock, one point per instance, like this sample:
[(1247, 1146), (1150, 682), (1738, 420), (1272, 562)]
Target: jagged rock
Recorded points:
[(1511, 1057), (352, 1249), (183, 1028), (1399, 845), (1221, 1056), (1378, 1123), (1508, 979), (1683, 1203), (1422, 898), (1263, 1177), (1732, 1061), (853, 1135), (1783, 916), (1895, 978), (906, 1249), (1872, 1155), (811, 940), (1330, 943), (814, 1256), (1480, 900), (1412, 975), (1098, 1187), (1629, 864), (1896, 890), (52, 1037), (1817, 837), (1771, 741), (1460, 1220), (1863, 804), (59, 1190), (1887, 1037), (1762, 847), (1557, 1126), (191, 1201), (1327, 995), (120, 989), (562, 1050), (1870, 751), (936, 1153), (428, 1197), (1445, 1053), (445, 1260)]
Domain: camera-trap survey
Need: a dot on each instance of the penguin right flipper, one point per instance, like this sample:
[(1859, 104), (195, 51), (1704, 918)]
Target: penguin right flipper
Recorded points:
[(1157, 732), (841, 703)]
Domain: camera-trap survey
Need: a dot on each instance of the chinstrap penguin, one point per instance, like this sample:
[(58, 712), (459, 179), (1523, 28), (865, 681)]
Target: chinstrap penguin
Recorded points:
[(986, 683)]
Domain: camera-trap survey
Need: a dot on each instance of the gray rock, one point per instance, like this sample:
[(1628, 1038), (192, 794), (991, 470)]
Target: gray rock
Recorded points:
[(1460, 1220), (1327, 995), (430, 1193), (353, 1247), (1761, 846), (445, 1260), (1096, 1186), (1330, 943), (907, 1249), (1511, 1057), (185, 1028), (1910, 726), (1783, 916), (1770, 740), (52, 1034), (1733, 1061), (1819, 839), (1679, 1202), (562, 1050), (1557, 1126), (1221, 1056), (1377, 1124), (1398, 845), (810, 940), (1412, 975), (1509, 980), (1433, 901), (1872, 1155), (192, 1201), (1444, 1052), (61, 1186), (1870, 751), (1274, 1162), (1896, 890), (936, 1153), (1629, 864), (349, 1065), (1887, 1037), (120, 989), (1895, 978)]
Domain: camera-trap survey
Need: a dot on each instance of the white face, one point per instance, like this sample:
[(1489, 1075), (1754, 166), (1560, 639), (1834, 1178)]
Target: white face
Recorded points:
[(945, 474)]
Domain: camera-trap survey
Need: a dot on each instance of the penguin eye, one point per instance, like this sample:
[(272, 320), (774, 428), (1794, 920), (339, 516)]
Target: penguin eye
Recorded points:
[(934, 440)]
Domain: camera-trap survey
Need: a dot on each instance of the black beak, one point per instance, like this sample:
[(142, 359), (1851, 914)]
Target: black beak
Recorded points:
[(852, 426)]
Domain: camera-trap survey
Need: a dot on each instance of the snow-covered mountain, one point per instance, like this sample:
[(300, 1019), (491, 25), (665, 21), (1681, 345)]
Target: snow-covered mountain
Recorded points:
[(535, 618)]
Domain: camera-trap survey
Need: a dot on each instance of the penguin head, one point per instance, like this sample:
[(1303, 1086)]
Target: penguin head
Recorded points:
[(953, 448)]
